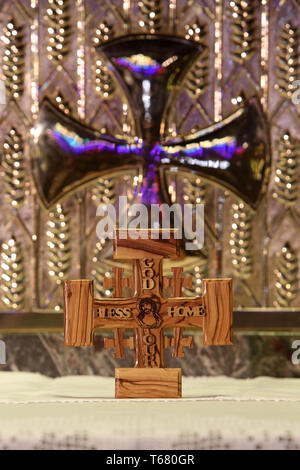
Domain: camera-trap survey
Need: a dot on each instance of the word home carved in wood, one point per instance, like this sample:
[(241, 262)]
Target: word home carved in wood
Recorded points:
[(188, 311), (148, 313)]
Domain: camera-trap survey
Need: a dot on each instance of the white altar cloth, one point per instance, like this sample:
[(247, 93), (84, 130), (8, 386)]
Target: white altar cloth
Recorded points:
[(38, 412)]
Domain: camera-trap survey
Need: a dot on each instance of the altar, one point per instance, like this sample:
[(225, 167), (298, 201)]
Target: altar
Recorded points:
[(37, 412)]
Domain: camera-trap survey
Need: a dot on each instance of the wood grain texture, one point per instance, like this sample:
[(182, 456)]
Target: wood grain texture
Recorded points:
[(147, 273), (148, 383), (115, 322), (117, 282), (218, 323), (178, 342), (78, 313), (149, 347), (119, 343), (177, 282), (130, 248)]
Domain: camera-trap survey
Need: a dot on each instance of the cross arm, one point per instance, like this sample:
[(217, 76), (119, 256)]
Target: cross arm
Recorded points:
[(182, 312), (213, 312), (83, 313), (216, 154), (80, 153), (115, 313)]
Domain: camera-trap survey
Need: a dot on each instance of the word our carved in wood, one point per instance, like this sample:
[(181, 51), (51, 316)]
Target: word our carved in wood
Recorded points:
[(148, 313)]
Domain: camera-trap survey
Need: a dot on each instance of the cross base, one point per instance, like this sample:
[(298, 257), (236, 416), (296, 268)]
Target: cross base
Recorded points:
[(148, 383)]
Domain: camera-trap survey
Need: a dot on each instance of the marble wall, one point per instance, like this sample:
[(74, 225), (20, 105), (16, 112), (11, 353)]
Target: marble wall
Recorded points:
[(250, 356)]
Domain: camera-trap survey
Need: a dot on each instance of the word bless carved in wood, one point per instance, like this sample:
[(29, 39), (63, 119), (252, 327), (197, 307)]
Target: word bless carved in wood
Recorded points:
[(148, 313)]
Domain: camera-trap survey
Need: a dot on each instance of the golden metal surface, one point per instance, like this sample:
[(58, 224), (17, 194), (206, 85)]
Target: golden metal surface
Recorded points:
[(287, 283), (13, 58), (247, 32), (286, 173)]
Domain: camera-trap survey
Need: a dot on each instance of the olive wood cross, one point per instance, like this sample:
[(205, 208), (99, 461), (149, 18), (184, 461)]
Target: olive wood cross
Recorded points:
[(147, 312)]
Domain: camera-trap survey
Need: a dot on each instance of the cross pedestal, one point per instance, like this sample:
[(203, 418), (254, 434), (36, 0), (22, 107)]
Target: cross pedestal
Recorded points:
[(148, 313)]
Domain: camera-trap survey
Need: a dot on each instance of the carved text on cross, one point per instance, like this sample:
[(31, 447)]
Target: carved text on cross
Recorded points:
[(147, 311)]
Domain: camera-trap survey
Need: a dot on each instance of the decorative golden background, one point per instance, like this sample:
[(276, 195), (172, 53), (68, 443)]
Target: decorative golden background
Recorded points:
[(47, 48)]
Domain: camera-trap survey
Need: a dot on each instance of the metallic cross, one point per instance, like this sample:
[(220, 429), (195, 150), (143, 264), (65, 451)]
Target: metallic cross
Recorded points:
[(150, 69)]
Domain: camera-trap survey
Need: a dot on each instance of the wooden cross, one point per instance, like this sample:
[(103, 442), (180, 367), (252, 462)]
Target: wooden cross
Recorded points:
[(148, 313)]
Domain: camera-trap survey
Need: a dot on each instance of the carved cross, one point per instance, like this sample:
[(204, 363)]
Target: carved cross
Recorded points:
[(147, 312)]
